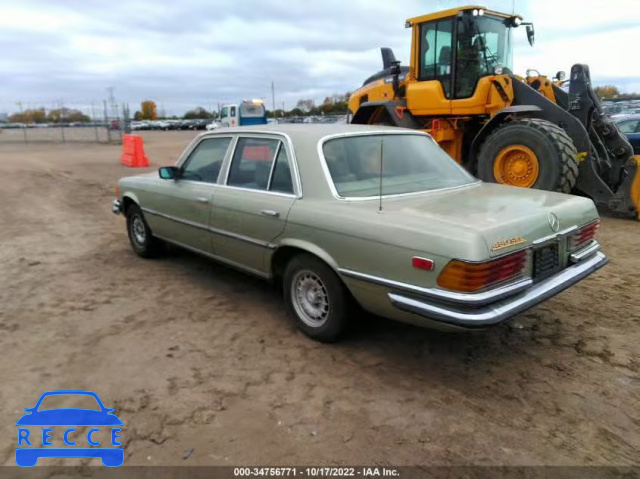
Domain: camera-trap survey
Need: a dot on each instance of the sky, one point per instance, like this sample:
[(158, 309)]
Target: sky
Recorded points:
[(189, 53)]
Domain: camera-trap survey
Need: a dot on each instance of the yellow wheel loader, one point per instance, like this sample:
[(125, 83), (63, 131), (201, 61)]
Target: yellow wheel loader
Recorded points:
[(528, 132)]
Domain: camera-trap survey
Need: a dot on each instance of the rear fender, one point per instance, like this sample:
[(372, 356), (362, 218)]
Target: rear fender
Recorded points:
[(309, 248)]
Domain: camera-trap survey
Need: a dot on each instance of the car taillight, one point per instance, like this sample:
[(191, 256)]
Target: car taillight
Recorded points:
[(583, 235), (117, 191), (469, 277)]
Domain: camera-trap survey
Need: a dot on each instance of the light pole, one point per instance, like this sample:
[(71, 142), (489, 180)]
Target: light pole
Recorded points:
[(24, 123)]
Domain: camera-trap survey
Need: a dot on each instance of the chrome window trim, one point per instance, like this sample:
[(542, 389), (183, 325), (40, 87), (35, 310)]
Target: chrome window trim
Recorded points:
[(273, 166), (264, 192), (210, 229), (332, 186), (291, 152), (484, 297), (217, 258)]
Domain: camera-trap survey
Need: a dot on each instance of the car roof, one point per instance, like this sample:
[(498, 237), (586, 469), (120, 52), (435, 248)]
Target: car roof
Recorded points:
[(305, 132)]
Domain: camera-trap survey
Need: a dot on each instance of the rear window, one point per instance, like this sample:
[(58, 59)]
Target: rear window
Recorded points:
[(402, 164)]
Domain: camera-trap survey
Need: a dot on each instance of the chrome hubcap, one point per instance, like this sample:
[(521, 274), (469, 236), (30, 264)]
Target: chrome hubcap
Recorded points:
[(310, 298), (138, 230)]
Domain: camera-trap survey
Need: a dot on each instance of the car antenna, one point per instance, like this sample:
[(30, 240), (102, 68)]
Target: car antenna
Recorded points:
[(381, 155)]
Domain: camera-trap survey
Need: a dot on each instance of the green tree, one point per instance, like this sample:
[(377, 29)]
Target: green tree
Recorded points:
[(36, 115), (607, 91), (198, 113)]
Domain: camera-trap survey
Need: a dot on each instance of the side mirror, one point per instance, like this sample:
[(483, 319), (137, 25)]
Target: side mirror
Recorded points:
[(168, 172), (531, 34)]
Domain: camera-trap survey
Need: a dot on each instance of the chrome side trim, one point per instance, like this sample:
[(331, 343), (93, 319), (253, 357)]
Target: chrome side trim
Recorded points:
[(585, 252), (216, 231), (246, 239), (501, 311), (474, 299), (387, 131), (116, 207), (217, 258), (177, 220)]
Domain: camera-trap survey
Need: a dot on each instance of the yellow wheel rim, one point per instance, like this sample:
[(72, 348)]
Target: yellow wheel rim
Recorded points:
[(516, 165)]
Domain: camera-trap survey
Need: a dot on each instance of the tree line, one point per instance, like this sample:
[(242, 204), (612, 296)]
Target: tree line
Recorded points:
[(58, 115), (332, 105)]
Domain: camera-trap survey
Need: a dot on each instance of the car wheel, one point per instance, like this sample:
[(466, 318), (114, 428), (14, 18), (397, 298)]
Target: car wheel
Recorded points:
[(316, 298), (140, 236)]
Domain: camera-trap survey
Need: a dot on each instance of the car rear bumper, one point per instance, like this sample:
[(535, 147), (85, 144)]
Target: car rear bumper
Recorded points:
[(474, 316), (116, 207)]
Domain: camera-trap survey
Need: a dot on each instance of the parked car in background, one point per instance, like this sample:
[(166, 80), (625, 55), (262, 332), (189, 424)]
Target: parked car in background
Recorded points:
[(630, 126), (347, 216), (212, 126)]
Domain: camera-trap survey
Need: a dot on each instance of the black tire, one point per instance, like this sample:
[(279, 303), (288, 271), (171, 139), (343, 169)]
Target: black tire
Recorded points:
[(332, 322), (556, 153), (141, 238)]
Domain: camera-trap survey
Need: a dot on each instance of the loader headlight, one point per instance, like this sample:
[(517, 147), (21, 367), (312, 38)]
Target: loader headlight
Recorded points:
[(498, 69), (517, 21), (561, 75)]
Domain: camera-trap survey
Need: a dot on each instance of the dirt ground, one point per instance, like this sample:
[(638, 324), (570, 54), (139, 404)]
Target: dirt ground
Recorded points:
[(193, 355)]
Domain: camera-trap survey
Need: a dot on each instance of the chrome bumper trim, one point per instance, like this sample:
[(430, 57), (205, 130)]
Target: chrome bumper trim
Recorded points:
[(115, 207), (479, 299), (502, 310), (586, 251)]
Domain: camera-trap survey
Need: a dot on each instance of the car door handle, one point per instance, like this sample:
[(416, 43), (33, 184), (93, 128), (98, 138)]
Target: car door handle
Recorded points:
[(202, 199), (275, 214)]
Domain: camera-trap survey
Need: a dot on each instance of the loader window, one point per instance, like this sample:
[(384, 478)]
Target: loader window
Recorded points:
[(479, 54), (435, 53)]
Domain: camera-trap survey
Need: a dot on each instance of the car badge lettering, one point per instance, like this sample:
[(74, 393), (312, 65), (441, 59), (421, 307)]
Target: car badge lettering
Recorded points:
[(36, 435), (507, 243)]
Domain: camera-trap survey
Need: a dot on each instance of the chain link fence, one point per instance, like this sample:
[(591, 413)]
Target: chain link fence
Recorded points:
[(63, 122)]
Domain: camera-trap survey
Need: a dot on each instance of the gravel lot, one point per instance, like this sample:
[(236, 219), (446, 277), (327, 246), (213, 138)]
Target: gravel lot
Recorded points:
[(194, 355)]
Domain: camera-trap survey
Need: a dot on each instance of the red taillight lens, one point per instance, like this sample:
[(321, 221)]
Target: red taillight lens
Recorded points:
[(583, 235), (422, 263), (469, 277)]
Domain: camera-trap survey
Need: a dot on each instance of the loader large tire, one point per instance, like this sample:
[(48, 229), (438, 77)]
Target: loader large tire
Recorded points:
[(530, 153)]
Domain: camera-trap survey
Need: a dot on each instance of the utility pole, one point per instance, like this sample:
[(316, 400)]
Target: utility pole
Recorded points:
[(24, 123), (273, 97)]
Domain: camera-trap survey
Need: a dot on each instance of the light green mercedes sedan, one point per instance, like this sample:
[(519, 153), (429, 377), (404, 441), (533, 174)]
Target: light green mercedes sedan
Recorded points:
[(349, 217)]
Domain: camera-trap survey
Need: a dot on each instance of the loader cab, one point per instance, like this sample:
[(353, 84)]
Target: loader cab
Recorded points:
[(452, 52)]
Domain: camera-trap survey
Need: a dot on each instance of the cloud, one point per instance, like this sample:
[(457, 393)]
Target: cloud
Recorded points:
[(196, 52)]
